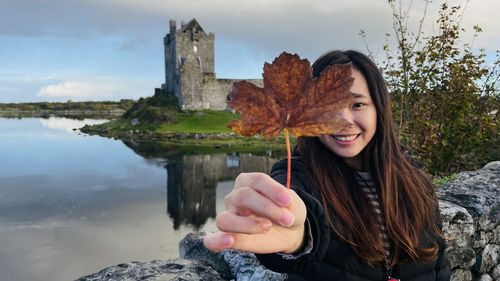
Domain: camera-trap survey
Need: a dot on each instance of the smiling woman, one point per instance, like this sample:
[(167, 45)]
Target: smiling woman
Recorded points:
[(359, 209), (362, 117)]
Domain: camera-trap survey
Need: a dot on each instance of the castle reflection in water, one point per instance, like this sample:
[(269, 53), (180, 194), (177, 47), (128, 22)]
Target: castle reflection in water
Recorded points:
[(192, 196)]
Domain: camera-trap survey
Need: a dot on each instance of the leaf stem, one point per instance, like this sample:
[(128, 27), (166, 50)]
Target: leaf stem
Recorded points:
[(289, 159)]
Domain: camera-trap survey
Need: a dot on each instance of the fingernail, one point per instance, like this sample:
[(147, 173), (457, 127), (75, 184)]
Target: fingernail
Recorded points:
[(226, 240), (286, 219), (266, 225), (284, 198)]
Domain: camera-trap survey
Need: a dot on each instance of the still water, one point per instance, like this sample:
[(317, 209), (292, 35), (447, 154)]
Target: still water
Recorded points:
[(72, 204)]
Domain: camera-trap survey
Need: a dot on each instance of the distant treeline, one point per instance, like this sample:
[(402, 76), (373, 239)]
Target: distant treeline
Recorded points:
[(105, 109)]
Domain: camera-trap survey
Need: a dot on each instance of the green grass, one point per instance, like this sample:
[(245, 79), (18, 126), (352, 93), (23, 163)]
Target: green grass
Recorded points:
[(438, 181), (124, 125), (206, 121), (207, 146)]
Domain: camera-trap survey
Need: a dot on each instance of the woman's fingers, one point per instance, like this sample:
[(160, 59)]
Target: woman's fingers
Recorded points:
[(230, 222), (264, 243), (247, 198), (262, 217), (265, 185), (218, 241)]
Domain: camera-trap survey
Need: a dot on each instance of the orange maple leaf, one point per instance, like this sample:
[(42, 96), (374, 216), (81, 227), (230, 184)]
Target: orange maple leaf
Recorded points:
[(292, 101)]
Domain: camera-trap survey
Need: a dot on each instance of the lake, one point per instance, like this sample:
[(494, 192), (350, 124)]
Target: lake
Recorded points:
[(72, 204)]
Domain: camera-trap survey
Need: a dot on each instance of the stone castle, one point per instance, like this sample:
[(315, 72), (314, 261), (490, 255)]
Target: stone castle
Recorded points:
[(190, 71)]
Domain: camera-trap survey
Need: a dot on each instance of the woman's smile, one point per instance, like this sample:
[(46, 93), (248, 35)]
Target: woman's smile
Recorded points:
[(346, 139)]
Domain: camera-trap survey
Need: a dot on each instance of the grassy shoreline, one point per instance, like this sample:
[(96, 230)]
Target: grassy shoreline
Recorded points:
[(79, 110), (193, 131)]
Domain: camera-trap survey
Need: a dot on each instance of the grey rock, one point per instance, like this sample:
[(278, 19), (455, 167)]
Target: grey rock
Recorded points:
[(470, 211), (458, 224), (496, 272), (496, 235), (481, 239), (192, 248), (229, 264), (246, 267), (135, 122), (461, 275), (492, 166), (172, 270), (486, 277), (478, 192), (489, 258), (461, 257)]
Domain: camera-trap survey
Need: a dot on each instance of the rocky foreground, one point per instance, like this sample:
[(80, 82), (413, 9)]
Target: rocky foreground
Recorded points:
[(470, 208)]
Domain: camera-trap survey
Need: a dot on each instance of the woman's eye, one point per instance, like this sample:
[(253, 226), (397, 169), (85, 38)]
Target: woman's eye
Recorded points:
[(357, 105)]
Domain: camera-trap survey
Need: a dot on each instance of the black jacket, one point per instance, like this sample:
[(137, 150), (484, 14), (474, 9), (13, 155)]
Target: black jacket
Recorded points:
[(333, 259)]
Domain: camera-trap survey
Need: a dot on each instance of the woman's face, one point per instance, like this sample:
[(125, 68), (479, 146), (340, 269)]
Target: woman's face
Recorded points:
[(362, 115)]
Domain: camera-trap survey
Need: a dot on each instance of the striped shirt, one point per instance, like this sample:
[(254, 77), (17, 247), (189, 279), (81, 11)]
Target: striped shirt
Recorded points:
[(365, 181)]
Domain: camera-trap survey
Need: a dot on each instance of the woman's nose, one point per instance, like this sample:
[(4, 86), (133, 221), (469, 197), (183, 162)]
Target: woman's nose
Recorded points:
[(347, 115)]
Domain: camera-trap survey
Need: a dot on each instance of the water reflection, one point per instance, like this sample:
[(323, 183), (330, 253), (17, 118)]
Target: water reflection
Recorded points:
[(192, 196), (192, 181), (67, 124), (79, 201)]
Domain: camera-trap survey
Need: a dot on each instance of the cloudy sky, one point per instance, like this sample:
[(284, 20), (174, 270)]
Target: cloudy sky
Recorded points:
[(56, 50)]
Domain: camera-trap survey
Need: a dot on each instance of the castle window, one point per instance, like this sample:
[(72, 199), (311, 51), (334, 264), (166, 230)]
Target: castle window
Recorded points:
[(233, 160), (195, 46)]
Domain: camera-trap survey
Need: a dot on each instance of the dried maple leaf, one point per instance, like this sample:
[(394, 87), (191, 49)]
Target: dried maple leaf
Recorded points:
[(292, 101)]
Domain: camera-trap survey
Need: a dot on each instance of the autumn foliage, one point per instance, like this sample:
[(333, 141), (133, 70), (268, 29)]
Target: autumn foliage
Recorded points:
[(446, 95), (292, 101)]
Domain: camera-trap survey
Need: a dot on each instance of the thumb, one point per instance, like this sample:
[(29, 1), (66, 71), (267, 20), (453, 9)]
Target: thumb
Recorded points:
[(218, 241)]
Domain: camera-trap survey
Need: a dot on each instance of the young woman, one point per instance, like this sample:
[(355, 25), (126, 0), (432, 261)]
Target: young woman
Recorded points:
[(359, 209)]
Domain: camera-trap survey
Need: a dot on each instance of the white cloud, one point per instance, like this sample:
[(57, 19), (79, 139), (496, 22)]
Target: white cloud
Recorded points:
[(124, 38), (79, 90), (271, 21), (97, 88)]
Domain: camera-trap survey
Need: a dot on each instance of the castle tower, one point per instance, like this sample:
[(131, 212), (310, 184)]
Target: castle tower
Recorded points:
[(189, 63)]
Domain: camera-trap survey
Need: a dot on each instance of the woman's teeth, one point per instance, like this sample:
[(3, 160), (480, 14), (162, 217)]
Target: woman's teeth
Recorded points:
[(345, 138)]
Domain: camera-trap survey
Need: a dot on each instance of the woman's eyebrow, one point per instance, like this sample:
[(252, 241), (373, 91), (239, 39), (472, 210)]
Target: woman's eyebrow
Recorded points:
[(356, 95)]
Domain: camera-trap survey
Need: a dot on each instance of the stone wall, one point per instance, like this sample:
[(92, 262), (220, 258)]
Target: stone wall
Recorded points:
[(470, 209), (215, 92), (203, 91), (170, 52)]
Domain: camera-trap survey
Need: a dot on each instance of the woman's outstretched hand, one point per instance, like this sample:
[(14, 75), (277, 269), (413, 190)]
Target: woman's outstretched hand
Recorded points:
[(261, 217)]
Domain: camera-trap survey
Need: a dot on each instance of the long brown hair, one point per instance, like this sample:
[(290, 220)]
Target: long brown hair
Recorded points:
[(407, 196)]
